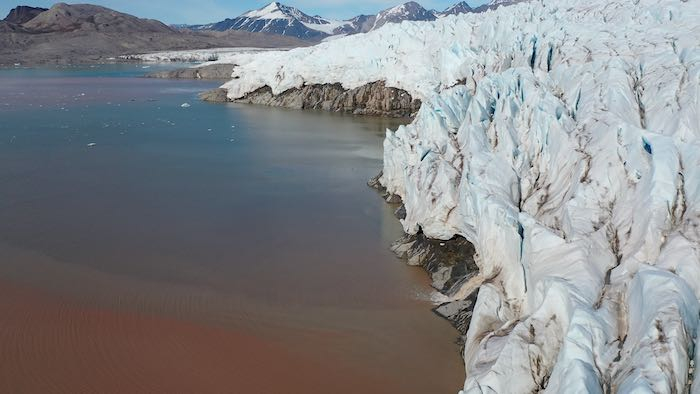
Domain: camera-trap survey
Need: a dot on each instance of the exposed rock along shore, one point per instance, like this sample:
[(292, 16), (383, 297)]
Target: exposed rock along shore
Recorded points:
[(449, 263), (373, 99), (217, 95)]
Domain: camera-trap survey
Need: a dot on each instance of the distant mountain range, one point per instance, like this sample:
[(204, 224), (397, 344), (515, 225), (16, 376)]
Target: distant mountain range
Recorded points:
[(277, 18), (84, 33)]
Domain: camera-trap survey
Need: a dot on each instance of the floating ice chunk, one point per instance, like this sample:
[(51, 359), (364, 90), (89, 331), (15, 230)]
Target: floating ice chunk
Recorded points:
[(185, 105), (92, 144)]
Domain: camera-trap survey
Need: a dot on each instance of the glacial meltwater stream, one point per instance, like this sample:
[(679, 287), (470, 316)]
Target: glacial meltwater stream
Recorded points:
[(147, 246)]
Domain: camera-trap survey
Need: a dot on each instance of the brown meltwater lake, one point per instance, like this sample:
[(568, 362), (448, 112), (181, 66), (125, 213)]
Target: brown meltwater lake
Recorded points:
[(146, 247)]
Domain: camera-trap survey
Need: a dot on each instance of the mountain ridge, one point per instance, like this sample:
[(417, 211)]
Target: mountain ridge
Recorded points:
[(84, 33), (281, 19), (64, 18), (22, 14)]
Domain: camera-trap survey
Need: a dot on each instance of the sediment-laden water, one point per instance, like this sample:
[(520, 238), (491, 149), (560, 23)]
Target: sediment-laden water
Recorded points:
[(147, 245)]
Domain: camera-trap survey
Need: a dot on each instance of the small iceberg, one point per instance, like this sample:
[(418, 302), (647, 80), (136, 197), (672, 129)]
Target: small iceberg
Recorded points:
[(92, 144), (185, 105)]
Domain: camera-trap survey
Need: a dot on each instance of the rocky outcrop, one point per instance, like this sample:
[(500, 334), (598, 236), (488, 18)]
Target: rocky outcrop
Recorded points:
[(374, 99), (23, 14), (450, 264), (212, 72), (214, 96)]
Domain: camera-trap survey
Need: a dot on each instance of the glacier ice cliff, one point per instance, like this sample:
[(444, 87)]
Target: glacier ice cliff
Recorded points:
[(561, 138)]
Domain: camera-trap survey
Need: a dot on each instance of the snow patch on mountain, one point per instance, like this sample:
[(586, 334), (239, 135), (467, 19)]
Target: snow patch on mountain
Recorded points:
[(270, 11), (330, 27), (562, 138)]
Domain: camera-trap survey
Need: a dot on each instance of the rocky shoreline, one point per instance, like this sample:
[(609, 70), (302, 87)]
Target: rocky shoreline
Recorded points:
[(450, 264), (372, 99)]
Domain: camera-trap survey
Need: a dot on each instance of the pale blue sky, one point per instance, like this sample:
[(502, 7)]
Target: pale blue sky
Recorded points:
[(203, 11)]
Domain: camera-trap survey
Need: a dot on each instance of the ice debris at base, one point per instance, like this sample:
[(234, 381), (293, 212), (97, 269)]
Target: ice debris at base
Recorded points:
[(561, 137)]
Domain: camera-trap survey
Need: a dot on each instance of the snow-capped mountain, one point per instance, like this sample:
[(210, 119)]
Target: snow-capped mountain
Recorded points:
[(562, 139), (459, 8), (410, 11), (277, 18)]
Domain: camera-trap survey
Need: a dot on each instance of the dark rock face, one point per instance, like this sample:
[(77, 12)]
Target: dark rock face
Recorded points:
[(459, 313), (23, 14), (450, 264), (372, 99), (212, 72), (215, 96), (375, 183)]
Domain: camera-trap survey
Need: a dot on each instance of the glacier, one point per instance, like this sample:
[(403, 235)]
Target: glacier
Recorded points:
[(561, 138)]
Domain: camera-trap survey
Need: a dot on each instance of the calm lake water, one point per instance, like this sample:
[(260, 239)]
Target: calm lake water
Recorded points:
[(151, 247)]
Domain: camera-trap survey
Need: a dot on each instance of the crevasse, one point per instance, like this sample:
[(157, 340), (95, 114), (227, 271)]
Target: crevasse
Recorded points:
[(561, 138)]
